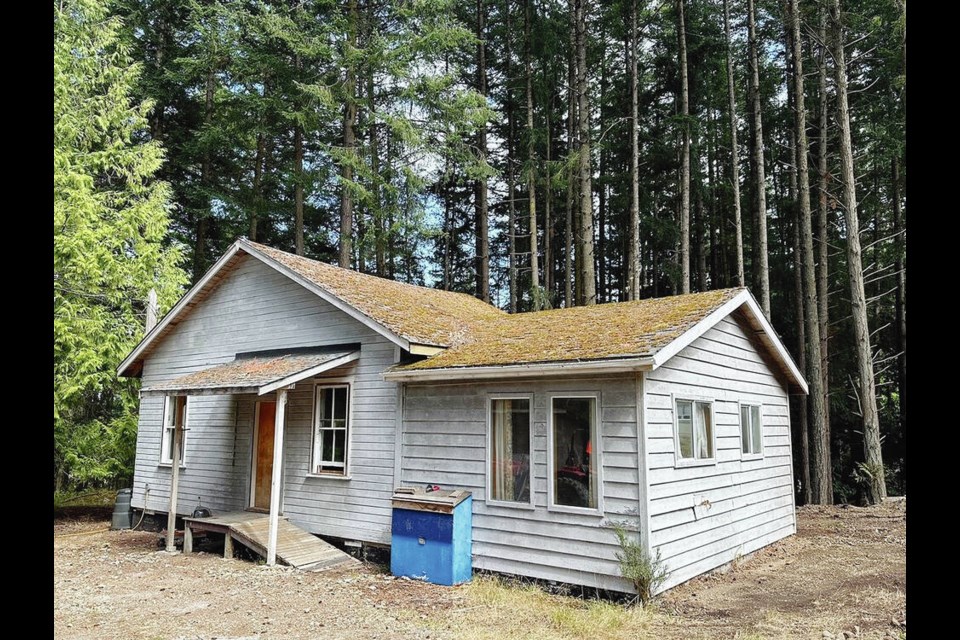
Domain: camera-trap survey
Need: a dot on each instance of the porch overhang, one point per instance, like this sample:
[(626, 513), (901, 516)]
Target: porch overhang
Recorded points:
[(258, 372)]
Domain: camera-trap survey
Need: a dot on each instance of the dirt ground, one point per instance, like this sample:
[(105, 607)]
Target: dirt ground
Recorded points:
[(842, 576)]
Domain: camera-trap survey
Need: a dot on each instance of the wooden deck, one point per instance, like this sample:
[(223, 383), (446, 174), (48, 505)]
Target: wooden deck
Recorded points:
[(295, 546)]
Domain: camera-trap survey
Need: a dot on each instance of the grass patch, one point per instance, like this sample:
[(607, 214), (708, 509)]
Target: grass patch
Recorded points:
[(494, 609)]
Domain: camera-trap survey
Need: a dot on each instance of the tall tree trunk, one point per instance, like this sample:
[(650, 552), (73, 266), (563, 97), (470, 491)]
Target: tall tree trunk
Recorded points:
[(349, 145), (761, 260), (633, 250), (536, 295), (685, 153), (377, 217), (447, 225), (206, 170), (548, 274), (572, 148), (899, 229), (734, 151), (823, 217), (821, 466), (480, 185), (298, 176), (802, 429), (601, 183), (511, 181), (587, 265), (257, 190), (876, 489)]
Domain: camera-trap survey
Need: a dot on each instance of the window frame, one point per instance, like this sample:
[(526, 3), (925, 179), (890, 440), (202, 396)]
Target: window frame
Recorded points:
[(760, 454), (678, 460), (327, 383), (598, 453), (168, 462), (491, 397)]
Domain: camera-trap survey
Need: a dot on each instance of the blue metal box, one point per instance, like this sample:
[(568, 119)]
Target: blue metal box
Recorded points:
[(432, 535)]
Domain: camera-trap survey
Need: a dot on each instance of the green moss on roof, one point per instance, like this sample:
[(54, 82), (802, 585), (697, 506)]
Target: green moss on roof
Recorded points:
[(418, 314), (613, 330)]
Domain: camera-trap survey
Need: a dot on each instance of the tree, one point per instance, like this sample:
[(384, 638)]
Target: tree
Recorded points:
[(876, 486), (760, 259), (110, 224), (684, 153), (734, 151)]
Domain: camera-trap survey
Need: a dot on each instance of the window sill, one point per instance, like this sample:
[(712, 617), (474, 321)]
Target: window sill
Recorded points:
[(329, 476), (582, 511), (169, 465), (526, 506), (683, 462), (746, 457)]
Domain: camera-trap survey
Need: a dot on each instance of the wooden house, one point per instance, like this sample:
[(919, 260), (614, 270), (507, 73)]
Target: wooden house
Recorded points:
[(668, 415)]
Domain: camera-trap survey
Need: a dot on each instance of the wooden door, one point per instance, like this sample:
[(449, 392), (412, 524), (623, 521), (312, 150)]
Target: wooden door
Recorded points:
[(263, 454)]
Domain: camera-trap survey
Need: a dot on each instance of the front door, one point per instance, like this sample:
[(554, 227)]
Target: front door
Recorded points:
[(263, 455)]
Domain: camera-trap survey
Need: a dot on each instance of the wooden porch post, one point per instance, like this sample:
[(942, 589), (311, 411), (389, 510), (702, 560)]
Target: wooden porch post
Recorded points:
[(275, 478), (179, 406)]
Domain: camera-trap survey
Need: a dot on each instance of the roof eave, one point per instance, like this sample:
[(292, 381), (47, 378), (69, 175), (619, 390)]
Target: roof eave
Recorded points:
[(533, 370)]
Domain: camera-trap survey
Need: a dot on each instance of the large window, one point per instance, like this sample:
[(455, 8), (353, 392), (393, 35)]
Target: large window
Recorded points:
[(171, 406), (509, 479), (331, 429), (694, 425), (751, 430), (573, 463)]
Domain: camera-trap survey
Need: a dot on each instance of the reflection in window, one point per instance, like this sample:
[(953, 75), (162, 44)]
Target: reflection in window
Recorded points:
[(574, 466)]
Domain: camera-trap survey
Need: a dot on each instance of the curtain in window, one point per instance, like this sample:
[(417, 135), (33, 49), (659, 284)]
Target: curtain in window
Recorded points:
[(700, 426), (503, 487)]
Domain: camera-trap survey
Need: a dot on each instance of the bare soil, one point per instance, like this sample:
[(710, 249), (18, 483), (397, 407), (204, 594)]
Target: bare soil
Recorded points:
[(844, 572)]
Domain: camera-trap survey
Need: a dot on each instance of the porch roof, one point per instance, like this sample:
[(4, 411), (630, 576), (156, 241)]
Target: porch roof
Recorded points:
[(259, 372)]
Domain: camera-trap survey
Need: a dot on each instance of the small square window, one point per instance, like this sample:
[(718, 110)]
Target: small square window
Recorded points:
[(694, 429)]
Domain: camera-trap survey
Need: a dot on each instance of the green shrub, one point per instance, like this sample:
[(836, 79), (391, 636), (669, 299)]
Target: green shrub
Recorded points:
[(646, 572)]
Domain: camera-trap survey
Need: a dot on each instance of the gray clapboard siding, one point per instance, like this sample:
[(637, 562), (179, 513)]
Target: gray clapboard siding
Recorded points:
[(444, 442), (255, 308), (703, 517)]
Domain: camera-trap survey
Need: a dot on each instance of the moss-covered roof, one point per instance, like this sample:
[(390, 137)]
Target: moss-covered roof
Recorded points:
[(613, 330), (418, 314)]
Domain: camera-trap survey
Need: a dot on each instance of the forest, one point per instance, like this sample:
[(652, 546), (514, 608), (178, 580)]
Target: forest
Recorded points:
[(533, 153)]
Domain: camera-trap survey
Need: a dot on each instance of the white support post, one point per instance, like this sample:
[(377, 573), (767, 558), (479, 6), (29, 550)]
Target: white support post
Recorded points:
[(179, 406), (275, 477)]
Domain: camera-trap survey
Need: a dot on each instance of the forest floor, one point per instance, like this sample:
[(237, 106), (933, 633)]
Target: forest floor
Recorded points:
[(842, 576)]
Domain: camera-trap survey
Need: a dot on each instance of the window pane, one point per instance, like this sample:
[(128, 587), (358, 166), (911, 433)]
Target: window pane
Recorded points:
[(340, 403), (756, 430), (703, 431), (339, 439), (685, 428), (510, 450), (326, 453), (326, 405), (745, 429), (574, 432)]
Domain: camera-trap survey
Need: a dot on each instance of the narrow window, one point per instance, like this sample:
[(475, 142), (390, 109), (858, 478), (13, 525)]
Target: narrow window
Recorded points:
[(751, 429), (574, 465), (330, 436), (694, 430), (510, 449), (172, 404)]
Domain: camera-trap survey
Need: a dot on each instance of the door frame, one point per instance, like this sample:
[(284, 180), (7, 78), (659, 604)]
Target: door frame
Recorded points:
[(252, 497)]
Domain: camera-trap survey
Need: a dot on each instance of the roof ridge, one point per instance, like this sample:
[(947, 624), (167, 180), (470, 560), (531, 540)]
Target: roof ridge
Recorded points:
[(433, 290)]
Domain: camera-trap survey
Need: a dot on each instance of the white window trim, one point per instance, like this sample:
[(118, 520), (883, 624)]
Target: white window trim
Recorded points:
[(163, 432), (679, 461), (750, 456), (332, 382), (489, 437), (598, 453)]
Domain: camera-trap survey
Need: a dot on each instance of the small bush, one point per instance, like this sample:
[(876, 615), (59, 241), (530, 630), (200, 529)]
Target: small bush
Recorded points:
[(636, 565)]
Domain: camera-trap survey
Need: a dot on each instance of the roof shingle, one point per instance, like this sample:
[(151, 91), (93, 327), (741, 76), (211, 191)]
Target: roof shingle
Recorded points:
[(613, 330)]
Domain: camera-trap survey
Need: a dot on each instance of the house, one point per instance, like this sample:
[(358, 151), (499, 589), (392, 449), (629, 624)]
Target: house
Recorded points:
[(670, 415)]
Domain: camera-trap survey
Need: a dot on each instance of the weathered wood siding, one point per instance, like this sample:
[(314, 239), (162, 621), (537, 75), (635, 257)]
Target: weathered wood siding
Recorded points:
[(444, 442), (255, 308), (706, 516)]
